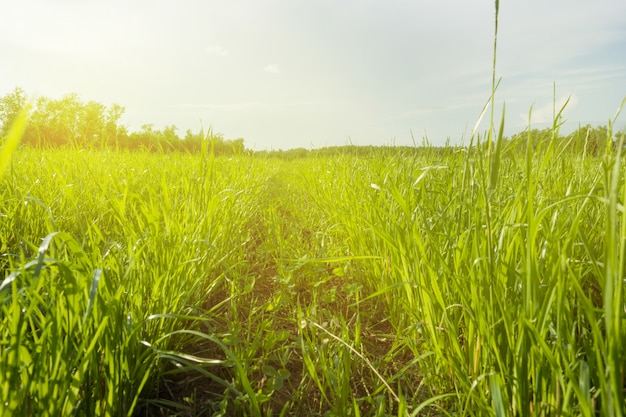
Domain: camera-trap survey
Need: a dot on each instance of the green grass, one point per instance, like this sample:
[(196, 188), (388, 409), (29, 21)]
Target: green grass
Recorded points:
[(485, 280), (143, 284)]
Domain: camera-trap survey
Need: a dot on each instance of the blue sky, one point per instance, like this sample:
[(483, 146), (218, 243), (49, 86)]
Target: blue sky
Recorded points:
[(296, 73)]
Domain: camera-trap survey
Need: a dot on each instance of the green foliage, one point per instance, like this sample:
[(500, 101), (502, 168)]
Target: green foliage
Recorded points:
[(344, 281), (71, 123), (355, 285), (586, 140), (10, 107), (13, 137), (129, 251), (360, 151), (592, 140)]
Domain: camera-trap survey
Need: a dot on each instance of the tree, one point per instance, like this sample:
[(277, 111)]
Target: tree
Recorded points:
[(55, 123), (72, 122), (592, 140), (10, 106), (192, 143), (170, 139), (113, 132), (91, 124), (237, 146)]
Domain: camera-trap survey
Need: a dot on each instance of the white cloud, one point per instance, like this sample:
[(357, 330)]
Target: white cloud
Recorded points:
[(216, 50), (272, 69)]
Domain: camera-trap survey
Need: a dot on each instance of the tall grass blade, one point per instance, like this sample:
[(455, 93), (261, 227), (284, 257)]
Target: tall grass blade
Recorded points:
[(497, 156), (12, 140), (615, 247), (93, 291), (496, 395)]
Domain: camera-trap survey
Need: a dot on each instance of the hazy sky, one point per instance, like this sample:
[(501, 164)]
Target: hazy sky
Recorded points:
[(312, 73)]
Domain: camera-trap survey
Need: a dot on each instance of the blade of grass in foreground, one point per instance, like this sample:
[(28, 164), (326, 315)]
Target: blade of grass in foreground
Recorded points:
[(613, 287), (12, 140)]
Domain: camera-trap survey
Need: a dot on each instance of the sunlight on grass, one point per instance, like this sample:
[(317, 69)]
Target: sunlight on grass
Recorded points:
[(483, 280), (12, 140)]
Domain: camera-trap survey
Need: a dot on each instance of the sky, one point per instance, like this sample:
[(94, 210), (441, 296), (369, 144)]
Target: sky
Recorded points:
[(285, 74)]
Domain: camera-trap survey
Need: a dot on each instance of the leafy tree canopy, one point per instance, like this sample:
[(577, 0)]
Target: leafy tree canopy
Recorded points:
[(70, 121)]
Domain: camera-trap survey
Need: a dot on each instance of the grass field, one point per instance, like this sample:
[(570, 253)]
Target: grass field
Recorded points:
[(473, 281), (445, 282)]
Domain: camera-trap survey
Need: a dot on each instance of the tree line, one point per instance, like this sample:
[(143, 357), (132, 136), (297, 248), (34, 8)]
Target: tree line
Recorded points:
[(586, 140), (72, 122), (69, 121)]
